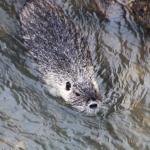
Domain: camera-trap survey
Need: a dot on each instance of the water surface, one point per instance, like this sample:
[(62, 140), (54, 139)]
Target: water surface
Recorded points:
[(30, 119)]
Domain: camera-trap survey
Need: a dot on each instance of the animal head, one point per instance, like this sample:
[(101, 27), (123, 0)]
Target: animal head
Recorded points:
[(82, 95)]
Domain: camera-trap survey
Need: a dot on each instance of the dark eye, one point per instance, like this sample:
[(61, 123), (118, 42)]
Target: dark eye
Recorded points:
[(68, 86), (77, 94)]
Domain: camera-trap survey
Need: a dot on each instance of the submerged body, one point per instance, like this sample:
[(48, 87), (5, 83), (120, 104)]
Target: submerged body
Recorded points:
[(63, 65)]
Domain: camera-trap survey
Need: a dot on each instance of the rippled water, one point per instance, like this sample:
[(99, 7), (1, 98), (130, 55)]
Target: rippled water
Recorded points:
[(30, 119)]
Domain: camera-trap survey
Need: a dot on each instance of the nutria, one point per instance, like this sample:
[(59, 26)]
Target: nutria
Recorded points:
[(65, 66)]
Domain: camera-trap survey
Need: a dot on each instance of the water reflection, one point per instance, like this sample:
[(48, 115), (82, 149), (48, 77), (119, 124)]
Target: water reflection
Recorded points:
[(31, 119)]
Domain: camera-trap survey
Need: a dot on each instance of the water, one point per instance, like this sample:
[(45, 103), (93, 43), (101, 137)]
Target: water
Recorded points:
[(30, 119)]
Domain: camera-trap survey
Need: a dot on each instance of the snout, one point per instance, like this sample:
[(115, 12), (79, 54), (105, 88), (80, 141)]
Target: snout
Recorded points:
[(93, 107)]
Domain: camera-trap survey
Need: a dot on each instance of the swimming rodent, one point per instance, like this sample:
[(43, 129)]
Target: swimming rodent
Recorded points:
[(65, 66)]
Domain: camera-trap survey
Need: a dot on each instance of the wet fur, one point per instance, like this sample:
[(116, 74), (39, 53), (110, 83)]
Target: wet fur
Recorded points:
[(53, 41)]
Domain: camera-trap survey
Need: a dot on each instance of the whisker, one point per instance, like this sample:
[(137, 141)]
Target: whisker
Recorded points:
[(77, 102)]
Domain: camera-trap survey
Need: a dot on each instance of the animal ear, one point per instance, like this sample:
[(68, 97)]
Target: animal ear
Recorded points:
[(68, 86)]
